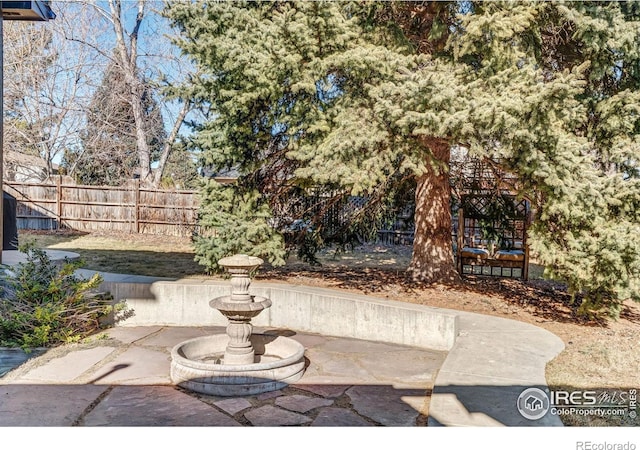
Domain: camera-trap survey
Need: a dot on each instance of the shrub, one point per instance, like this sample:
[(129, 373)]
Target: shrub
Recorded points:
[(44, 304), (236, 221)]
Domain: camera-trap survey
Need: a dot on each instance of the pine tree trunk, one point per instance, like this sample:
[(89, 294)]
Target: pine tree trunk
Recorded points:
[(432, 259)]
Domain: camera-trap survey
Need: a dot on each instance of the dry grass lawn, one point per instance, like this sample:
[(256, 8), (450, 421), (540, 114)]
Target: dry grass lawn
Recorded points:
[(165, 256), (601, 355)]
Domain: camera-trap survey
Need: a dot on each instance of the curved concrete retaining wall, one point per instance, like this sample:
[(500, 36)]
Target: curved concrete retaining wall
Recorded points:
[(307, 309)]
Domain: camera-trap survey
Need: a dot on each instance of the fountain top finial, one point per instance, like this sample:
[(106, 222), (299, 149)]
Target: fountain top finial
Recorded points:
[(241, 262)]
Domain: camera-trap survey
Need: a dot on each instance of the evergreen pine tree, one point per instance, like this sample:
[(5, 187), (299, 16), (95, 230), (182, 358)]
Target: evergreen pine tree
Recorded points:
[(353, 97), (235, 223), (109, 154), (557, 104)]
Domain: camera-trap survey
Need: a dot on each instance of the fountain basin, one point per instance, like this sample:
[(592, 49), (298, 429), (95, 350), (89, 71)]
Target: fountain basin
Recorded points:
[(229, 307), (198, 365)]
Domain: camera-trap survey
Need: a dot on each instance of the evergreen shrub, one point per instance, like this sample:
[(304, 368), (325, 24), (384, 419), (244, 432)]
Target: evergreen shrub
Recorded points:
[(44, 304)]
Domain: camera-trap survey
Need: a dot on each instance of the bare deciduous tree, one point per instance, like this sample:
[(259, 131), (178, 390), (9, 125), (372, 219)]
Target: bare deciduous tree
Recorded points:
[(126, 56), (53, 72), (48, 79)]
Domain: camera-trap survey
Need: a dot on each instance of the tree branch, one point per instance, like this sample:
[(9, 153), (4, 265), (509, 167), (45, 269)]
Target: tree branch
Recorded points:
[(166, 148)]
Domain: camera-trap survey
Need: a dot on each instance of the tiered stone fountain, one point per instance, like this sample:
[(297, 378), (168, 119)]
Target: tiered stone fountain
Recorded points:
[(238, 362)]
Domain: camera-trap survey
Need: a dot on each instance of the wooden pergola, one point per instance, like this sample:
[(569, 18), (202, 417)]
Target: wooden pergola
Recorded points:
[(492, 235), (492, 221)]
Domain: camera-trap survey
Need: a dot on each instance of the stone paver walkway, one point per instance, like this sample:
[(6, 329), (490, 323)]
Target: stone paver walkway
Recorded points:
[(122, 379)]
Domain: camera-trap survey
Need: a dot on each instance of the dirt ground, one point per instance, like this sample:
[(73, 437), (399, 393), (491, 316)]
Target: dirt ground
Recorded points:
[(602, 354)]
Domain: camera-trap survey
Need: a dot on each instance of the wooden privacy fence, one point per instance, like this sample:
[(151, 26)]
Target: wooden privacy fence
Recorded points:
[(133, 209)]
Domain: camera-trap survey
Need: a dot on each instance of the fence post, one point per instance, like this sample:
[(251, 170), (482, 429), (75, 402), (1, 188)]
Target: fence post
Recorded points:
[(59, 200), (137, 211)]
